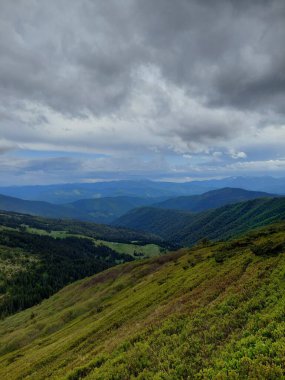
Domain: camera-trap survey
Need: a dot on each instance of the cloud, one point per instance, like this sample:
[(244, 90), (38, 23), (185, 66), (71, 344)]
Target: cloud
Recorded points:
[(237, 155), (151, 78)]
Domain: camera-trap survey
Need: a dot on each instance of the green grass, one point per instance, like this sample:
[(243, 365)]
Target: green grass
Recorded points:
[(135, 250), (215, 311), (55, 234)]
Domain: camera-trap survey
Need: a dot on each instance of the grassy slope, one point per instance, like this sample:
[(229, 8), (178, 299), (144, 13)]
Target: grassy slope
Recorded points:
[(186, 315), (221, 223)]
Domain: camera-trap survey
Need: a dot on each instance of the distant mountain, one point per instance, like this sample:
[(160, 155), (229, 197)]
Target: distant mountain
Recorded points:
[(101, 210), (105, 210), (187, 228), (211, 199), (66, 193), (34, 207)]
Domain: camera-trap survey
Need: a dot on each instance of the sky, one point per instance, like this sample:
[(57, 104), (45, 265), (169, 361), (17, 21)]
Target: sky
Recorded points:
[(166, 90)]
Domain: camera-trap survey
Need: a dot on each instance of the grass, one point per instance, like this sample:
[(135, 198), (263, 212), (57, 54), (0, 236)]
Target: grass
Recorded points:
[(215, 311), (135, 250)]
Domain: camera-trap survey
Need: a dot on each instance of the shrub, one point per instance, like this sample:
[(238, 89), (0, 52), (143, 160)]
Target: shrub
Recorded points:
[(269, 248)]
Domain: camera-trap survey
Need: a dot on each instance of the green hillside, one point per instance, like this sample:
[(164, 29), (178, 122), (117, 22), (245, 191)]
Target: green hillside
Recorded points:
[(187, 228), (210, 312), (36, 262), (158, 221), (60, 227), (32, 267), (211, 199)]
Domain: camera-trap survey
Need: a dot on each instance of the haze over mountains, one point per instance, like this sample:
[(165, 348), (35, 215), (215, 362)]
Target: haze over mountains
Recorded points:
[(217, 214), (65, 193), (100, 210), (108, 209)]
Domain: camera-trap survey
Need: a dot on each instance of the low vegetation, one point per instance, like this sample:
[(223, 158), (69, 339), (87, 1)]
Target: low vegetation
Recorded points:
[(215, 311)]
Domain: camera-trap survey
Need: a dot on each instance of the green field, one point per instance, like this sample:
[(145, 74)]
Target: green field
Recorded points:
[(135, 250), (138, 251)]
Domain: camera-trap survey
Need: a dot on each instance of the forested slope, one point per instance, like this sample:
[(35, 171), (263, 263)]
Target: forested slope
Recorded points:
[(40, 256), (221, 223), (211, 199)]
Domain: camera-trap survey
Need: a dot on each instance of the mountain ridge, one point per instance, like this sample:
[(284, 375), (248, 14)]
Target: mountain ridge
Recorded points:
[(107, 209), (212, 199), (101, 210), (220, 223), (64, 193)]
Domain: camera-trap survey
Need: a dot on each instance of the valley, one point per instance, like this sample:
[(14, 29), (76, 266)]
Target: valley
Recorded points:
[(163, 293), (37, 262), (220, 223)]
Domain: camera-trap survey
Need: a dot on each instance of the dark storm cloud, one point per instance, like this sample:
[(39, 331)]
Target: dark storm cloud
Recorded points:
[(72, 56), (79, 56), (143, 76), (230, 52)]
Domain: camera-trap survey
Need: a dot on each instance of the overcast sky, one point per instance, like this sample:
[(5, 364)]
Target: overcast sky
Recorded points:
[(160, 89)]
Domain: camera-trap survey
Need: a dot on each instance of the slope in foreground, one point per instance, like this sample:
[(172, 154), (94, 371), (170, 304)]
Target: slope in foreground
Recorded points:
[(212, 312)]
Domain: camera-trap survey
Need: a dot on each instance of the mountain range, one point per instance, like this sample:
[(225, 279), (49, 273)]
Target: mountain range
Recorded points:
[(187, 228), (101, 210), (211, 199), (108, 209), (66, 193)]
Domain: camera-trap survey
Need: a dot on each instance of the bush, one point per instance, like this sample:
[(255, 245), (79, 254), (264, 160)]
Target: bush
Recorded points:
[(269, 248)]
